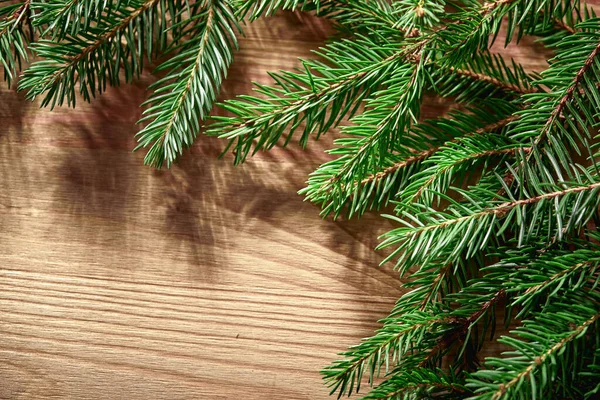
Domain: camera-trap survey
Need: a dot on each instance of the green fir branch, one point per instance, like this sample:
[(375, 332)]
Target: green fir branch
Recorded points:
[(542, 347), (419, 383), (467, 227), (496, 201), (14, 41), (186, 94), (317, 97), (254, 9), (93, 59), (59, 18)]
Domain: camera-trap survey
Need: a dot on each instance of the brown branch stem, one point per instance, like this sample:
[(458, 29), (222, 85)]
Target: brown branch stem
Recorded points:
[(494, 81), (501, 210), (421, 156)]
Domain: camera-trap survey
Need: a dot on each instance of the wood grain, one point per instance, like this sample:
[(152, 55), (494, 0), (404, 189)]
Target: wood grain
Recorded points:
[(203, 281)]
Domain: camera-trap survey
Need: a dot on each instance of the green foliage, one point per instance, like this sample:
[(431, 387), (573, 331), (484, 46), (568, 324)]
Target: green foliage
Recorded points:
[(59, 18), (314, 99), (91, 59), (13, 38), (254, 9), (495, 201), (419, 383), (512, 166), (84, 46), (192, 83), (390, 346), (549, 353)]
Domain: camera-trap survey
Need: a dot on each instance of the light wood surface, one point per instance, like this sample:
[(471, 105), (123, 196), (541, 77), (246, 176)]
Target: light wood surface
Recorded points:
[(204, 281)]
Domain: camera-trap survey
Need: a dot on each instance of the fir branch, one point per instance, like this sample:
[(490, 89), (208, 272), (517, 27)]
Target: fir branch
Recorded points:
[(258, 8), (568, 16), (451, 155), (16, 17), (420, 383), (460, 41), (531, 369), (482, 76), (541, 278), (544, 122), (461, 328), (435, 285), (510, 87), (433, 288), (414, 159), (400, 336), (557, 277), (393, 123), (406, 18), (60, 18), (568, 95), (351, 16), (360, 153), (398, 168), (13, 40), (187, 93), (491, 64), (92, 59), (477, 28), (506, 387), (564, 26), (387, 117), (426, 154), (313, 92), (390, 344), (443, 236), (502, 209)]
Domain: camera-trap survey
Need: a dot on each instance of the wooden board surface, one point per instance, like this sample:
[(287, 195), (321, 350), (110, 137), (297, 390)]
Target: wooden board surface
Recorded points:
[(204, 281)]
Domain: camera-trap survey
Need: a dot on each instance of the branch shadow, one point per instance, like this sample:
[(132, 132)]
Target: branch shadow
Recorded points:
[(13, 112), (100, 195)]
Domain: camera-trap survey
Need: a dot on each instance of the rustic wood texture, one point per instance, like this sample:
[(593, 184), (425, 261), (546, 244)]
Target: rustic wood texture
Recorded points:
[(202, 281)]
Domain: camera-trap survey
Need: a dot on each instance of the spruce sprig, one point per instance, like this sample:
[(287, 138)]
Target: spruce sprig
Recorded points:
[(14, 40), (192, 84), (85, 46), (92, 59)]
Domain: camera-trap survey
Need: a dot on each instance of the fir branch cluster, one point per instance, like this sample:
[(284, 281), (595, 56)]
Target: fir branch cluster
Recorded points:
[(83, 46), (495, 202)]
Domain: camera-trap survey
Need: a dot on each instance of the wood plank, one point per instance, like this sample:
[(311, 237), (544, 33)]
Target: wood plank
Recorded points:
[(203, 281)]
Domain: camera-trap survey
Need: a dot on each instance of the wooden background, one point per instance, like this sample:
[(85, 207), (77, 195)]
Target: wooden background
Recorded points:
[(203, 281), (207, 280)]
